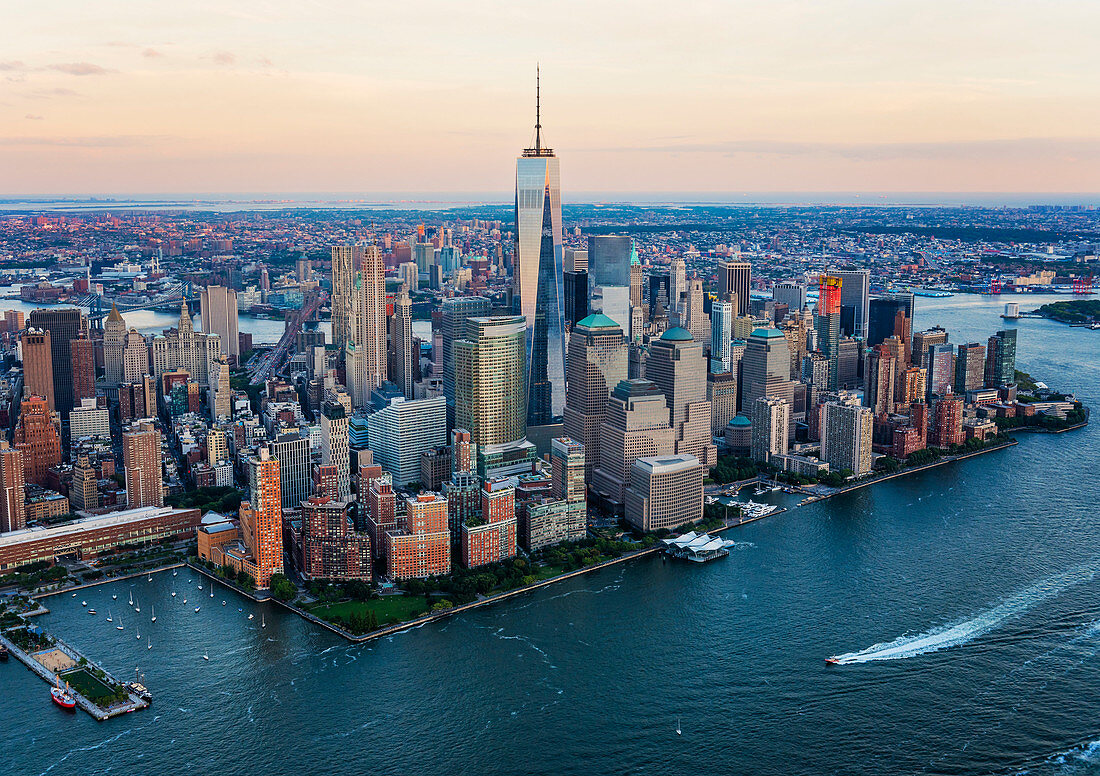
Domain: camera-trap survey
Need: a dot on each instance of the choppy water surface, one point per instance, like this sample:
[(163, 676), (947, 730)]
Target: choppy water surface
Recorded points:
[(964, 600)]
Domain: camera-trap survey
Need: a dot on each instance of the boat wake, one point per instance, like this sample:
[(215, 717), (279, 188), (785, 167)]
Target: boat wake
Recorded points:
[(964, 631)]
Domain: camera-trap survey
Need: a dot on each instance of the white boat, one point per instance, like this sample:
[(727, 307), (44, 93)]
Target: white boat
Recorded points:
[(185, 600), (83, 603), (173, 593), (149, 645), (150, 577), (119, 626), (197, 608), (211, 592), (137, 608), (74, 595), (91, 611), (154, 614), (109, 616), (114, 597), (205, 656), (223, 603), (200, 587), (263, 622), (174, 573), (678, 727), (251, 616), (131, 598), (139, 633)]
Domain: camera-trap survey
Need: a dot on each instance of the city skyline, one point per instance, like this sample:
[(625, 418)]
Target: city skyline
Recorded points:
[(715, 98)]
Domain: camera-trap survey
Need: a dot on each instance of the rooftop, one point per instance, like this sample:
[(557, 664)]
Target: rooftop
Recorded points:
[(677, 334)]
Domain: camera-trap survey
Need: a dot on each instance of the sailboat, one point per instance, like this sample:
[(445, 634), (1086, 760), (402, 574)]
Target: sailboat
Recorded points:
[(149, 645), (678, 727), (131, 598), (150, 577), (251, 616), (83, 603), (114, 597), (205, 656), (119, 626), (137, 608), (109, 616), (211, 591), (223, 603), (138, 633), (197, 608), (263, 622), (154, 614), (173, 593), (174, 573), (185, 600), (74, 595), (200, 587)]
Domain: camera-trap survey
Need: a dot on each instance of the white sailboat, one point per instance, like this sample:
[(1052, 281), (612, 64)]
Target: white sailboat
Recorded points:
[(149, 645), (137, 608), (223, 603), (114, 597), (119, 626), (678, 727), (154, 614), (83, 603), (251, 616), (173, 593), (109, 616), (131, 598), (211, 591), (200, 587), (174, 573), (138, 632), (185, 600), (205, 656), (197, 608), (263, 622)]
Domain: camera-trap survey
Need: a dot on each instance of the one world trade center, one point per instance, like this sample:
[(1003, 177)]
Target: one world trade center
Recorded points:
[(537, 277)]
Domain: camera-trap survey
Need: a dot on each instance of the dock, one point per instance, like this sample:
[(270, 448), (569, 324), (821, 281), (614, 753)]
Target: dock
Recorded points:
[(66, 660)]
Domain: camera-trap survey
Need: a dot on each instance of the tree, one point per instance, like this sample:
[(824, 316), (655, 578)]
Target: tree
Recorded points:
[(281, 587)]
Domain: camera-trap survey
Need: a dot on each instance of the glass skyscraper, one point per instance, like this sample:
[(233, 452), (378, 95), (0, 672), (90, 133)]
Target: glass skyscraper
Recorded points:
[(537, 278)]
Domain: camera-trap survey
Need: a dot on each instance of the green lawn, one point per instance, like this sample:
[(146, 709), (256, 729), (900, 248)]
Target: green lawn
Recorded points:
[(89, 686), (399, 607)]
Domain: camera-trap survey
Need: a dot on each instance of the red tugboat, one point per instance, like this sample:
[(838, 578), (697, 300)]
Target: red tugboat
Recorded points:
[(62, 697)]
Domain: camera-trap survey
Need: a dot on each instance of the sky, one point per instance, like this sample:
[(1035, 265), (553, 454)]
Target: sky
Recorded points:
[(117, 97)]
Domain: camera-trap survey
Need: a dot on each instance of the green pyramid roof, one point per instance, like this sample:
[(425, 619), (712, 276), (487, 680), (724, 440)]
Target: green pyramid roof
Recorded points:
[(598, 321)]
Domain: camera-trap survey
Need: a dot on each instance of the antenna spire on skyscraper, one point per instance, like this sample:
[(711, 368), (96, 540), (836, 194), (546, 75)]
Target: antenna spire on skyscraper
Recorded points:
[(538, 113)]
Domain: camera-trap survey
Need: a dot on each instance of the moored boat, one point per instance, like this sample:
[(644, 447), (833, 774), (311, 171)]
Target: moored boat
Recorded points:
[(62, 697)]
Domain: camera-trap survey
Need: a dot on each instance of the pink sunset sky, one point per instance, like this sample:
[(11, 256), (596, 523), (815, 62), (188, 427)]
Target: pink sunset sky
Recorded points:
[(648, 96)]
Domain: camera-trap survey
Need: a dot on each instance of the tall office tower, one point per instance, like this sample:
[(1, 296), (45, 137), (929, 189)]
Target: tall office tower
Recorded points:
[(291, 450), (536, 278), (38, 366), (420, 545), (490, 380), (141, 460), (366, 353), (1000, 369), (83, 366), (721, 334), (64, 325), (923, 340), (463, 493), (847, 363), (815, 373), (84, 491), (303, 270), (665, 492), (735, 277), (185, 349), (401, 336), (576, 260), (880, 377), (636, 426), (677, 367), (609, 277), (334, 445), (882, 314), (330, 548), (637, 278), (828, 325), (575, 285), (969, 368), (217, 447), (219, 316), (694, 319), (846, 431), (596, 362), (947, 429), (456, 312), (903, 331), (677, 288), (135, 357), (345, 258), (402, 430), (219, 395), (658, 293), (262, 517), (771, 420), (795, 330), (114, 340), (37, 438), (424, 258), (492, 536), (766, 368), (855, 301), (791, 293), (13, 515), (941, 370), (722, 395), (408, 276)]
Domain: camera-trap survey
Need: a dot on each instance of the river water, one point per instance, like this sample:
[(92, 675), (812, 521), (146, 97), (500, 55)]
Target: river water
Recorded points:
[(965, 600)]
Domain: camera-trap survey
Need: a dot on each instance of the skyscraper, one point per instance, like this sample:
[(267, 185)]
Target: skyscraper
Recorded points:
[(765, 368), (64, 325), (491, 536), (330, 548), (401, 336), (490, 380), (13, 515), (941, 370), (880, 375), (636, 426), (882, 315), (38, 366), (366, 352), (185, 349), (1000, 367), (855, 301), (219, 316), (344, 260), (597, 361), (771, 418), (84, 492), (721, 334), (114, 340), (291, 450), (677, 287), (790, 293), (456, 311), (609, 277), (677, 367), (846, 431), (141, 459), (828, 325), (969, 367), (735, 277), (537, 277), (693, 318), (135, 357), (334, 445), (37, 438), (402, 430), (82, 350), (262, 517)]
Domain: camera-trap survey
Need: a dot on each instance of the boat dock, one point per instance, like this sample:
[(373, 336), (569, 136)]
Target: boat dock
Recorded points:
[(58, 660)]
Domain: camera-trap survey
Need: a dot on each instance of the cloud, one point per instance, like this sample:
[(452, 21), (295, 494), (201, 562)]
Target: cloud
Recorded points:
[(879, 151), (13, 65), (33, 117), (45, 94), (225, 57), (265, 62), (151, 53), (78, 68), (105, 141)]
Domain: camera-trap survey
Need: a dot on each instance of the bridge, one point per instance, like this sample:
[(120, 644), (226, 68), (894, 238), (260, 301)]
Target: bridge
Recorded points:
[(174, 295), (274, 359)]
